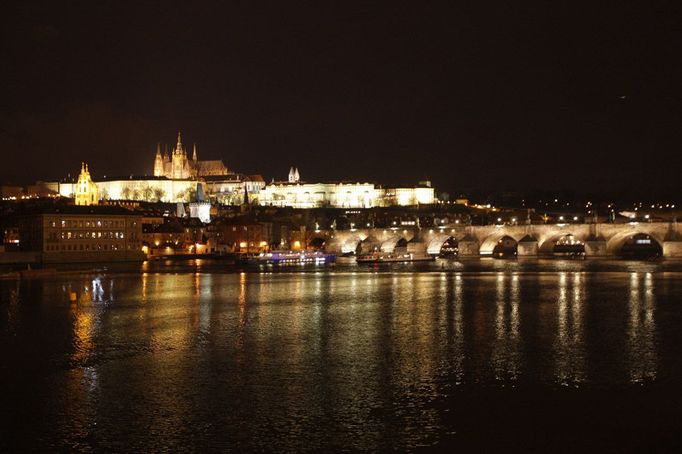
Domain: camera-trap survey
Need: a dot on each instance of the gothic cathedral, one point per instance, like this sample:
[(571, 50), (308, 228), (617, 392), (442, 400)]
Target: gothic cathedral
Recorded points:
[(179, 167)]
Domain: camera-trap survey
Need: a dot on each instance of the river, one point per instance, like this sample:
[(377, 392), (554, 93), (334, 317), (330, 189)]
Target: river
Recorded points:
[(546, 354)]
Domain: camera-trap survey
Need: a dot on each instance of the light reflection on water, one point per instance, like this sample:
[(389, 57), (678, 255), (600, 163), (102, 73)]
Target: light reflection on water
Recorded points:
[(642, 328), (569, 343), (356, 357)]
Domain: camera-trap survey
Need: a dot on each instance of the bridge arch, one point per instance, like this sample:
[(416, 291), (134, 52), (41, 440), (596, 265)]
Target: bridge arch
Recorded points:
[(393, 243), (369, 244), (562, 243), (439, 242), (499, 244), (352, 244), (635, 244)]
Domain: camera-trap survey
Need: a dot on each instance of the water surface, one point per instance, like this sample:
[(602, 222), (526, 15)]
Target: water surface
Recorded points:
[(204, 357)]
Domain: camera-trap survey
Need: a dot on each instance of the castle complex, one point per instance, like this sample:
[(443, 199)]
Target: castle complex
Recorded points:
[(178, 178)]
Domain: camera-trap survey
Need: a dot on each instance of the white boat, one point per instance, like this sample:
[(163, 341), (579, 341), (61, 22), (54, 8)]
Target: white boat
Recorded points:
[(289, 258)]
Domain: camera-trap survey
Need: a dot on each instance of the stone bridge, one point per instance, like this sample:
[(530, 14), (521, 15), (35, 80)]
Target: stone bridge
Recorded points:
[(530, 240)]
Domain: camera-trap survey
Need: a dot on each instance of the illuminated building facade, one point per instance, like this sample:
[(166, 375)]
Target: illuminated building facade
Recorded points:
[(86, 189), (151, 189), (82, 234), (177, 177), (297, 194), (200, 208), (230, 189)]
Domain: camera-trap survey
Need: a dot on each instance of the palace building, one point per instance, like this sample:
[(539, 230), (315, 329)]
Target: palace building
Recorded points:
[(300, 194)]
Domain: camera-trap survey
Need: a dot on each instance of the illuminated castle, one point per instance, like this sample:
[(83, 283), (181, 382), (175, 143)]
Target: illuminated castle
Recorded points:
[(178, 178), (178, 166)]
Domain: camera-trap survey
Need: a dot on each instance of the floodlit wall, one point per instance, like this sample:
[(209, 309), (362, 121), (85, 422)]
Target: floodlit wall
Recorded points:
[(342, 195), (310, 195)]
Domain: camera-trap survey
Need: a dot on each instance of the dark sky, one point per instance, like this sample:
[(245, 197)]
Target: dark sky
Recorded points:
[(500, 97)]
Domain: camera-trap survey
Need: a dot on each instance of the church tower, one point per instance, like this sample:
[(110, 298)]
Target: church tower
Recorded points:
[(158, 162), (294, 176), (86, 189), (194, 154), (179, 161)]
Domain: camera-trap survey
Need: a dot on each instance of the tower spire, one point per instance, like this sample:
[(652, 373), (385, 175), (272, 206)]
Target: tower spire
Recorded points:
[(194, 154), (178, 147)]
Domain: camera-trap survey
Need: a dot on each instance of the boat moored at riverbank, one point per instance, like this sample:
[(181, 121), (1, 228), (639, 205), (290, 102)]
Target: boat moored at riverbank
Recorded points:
[(288, 258)]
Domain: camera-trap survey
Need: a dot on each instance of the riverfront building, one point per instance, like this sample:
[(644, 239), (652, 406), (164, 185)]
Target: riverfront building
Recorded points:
[(82, 234)]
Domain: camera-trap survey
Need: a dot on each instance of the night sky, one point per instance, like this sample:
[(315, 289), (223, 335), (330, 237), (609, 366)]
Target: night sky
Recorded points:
[(504, 97)]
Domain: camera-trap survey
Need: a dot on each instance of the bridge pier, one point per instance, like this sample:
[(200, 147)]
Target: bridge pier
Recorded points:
[(595, 248), (672, 249), (527, 247), (468, 246)]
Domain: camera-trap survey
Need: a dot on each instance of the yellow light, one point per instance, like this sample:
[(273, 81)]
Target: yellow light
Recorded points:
[(242, 244), (297, 244)]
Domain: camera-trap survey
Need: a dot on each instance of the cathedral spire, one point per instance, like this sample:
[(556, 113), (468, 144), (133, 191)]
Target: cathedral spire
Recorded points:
[(194, 154), (178, 147), (158, 149)]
